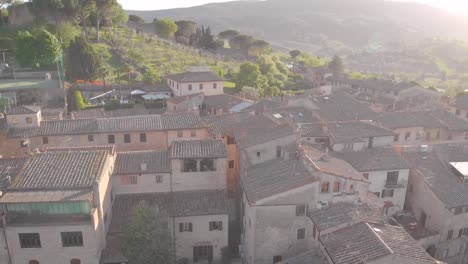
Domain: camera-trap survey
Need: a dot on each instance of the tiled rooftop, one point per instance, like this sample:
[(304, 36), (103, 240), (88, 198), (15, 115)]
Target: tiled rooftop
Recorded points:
[(108, 125), (343, 107), (23, 109), (375, 159), (364, 242), (198, 148), (274, 177), (224, 101), (131, 162), (9, 168), (177, 204), (47, 196), (346, 213), (187, 77), (439, 178), (61, 170)]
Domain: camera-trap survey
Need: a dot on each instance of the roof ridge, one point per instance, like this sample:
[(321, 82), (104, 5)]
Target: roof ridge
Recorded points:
[(378, 237)]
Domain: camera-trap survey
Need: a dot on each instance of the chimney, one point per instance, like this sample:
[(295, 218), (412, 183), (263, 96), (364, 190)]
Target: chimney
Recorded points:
[(143, 166)]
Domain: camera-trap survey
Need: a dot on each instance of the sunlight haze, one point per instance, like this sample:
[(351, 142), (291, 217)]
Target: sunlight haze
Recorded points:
[(455, 6)]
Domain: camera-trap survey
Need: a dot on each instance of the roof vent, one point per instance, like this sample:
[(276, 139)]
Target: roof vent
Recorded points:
[(143, 166)]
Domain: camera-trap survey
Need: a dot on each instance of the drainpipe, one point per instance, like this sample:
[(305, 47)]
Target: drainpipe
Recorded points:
[(5, 236)]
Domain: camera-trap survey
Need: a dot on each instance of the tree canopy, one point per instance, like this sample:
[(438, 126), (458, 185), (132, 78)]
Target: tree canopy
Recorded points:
[(228, 34), (165, 28), (39, 48), (248, 75), (148, 237), (136, 19), (84, 62), (336, 66), (294, 53)]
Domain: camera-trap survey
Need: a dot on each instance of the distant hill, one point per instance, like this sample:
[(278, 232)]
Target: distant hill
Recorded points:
[(324, 26)]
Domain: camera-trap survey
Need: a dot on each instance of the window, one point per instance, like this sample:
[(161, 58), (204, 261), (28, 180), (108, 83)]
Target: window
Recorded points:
[(111, 139), (392, 177), (202, 253), (185, 227), (190, 87), (193, 133), (133, 179), (407, 136), (278, 151), (201, 86), (216, 225), (300, 210), (45, 140), (449, 234), (72, 239), (159, 178), (180, 133), (29, 240), (366, 175), (395, 139), (458, 210), (75, 261), (258, 154), (189, 165), (207, 165), (90, 138), (348, 146), (460, 233), (24, 143), (277, 259), (387, 193), (127, 138), (457, 112), (377, 194), (336, 186), (301, 233), (142, 137), (230, 140), (325, 187), (231, 164), (445, 253), (33, 262), (29, 120), (215, 85)]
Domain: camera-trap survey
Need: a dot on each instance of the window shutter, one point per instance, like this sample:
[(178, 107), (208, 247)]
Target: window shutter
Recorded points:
[(195, 254), (190, 227), (181, 227), (210, 253)]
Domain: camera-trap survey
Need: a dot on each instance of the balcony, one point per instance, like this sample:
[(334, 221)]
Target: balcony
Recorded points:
[(395, 184)]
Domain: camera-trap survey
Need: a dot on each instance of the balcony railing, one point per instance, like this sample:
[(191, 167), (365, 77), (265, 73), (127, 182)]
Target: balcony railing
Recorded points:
[(395, 184)]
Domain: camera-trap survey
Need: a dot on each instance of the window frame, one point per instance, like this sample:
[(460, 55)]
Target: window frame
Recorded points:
[(143, 138), (90, 138), (29, 120), (133, 179), (159, 179), (75, 239), (111, 139), (300, 234), (29, 240), (215, 226), (45, 140), (127, 138), (180, 133), (231, 164)]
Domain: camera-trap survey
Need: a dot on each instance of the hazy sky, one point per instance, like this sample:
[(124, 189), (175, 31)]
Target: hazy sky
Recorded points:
[(456, 6)]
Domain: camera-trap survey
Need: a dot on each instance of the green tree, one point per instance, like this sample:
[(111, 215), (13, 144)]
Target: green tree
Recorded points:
[(148, 238), (151, 76), (259, 48), (248, 75), (294, 53), (79, 101), (242, 42), (136, 19), (228, 34), (105, 10), (185, 29), (336, 66), (67, 32), (48, 47), (165, 28), (249, 93), (271, 91), (83, 61), (39, 48), (25, 50)]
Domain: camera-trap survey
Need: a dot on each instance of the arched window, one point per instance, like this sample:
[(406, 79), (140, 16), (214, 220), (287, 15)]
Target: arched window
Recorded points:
[(336, 186), (325, 187), (33, 262), (75, 261)]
